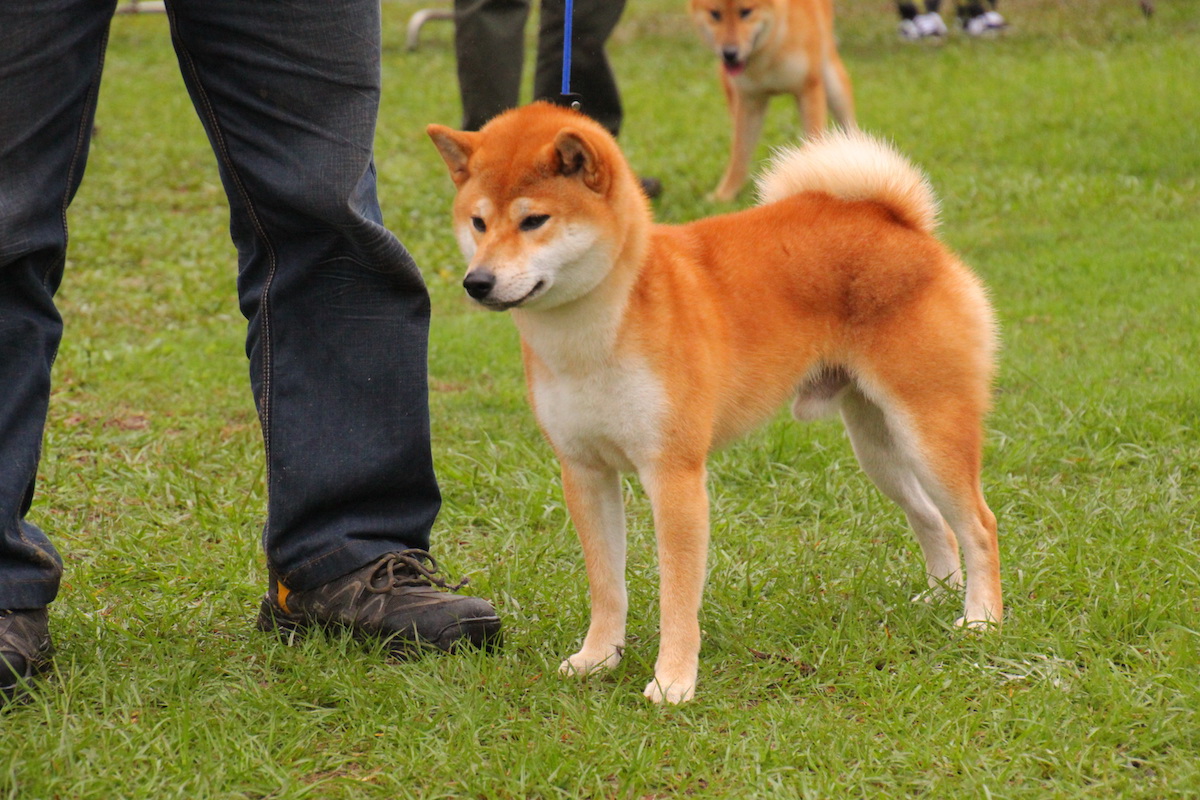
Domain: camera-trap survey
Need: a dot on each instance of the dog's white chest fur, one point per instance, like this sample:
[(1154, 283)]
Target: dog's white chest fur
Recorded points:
[(785, 74), (609, 416)]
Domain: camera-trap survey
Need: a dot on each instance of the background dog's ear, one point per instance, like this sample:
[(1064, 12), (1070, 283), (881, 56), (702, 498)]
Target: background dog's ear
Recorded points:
[(577, 156), (455, 148)]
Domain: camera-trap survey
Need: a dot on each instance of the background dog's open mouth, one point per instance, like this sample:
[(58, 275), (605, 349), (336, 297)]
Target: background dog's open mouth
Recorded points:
[(732, 61)]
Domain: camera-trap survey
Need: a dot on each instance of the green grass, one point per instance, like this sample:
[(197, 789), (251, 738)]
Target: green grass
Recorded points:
[(1066, 154)]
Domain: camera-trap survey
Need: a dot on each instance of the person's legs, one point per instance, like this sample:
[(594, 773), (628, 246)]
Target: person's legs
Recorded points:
[(338, 312), (50, 62), (338, 315), (591, 74), (489, 46)]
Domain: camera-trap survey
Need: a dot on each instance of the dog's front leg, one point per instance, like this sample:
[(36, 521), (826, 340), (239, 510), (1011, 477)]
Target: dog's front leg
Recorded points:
[(680, 504), (748, 113), (594, 500)]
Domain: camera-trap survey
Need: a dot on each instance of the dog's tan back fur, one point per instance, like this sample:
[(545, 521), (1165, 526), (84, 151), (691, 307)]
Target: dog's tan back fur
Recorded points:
[(833, 295)]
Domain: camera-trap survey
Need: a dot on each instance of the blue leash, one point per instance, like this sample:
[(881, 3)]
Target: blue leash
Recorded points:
[(567, 98), (566, 75)]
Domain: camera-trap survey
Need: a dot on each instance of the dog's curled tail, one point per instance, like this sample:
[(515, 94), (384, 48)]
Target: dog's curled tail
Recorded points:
[(853, 165)]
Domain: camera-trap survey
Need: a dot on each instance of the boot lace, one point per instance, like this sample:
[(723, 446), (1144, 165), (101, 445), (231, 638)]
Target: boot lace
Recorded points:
[(411, 567)]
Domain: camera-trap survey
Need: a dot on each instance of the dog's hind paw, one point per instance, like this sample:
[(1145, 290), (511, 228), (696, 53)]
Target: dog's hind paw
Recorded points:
[(940, 589), (934, 594)]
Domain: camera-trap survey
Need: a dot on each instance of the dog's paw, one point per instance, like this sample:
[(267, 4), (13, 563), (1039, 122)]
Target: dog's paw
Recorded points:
[(673, 693), (721, 195), (934, 594), (940, 589), (585, 663), (976, 625)]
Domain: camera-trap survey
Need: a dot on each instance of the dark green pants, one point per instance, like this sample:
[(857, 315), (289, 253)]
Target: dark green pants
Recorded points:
[(489, 44)]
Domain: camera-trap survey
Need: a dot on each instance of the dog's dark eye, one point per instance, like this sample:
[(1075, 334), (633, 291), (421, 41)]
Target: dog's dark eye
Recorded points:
[(743, 13), (534, 221), (479, 224), (716, 15)]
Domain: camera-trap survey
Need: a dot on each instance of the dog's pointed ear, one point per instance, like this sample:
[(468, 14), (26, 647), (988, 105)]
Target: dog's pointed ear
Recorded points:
[(455, 148), (576, 155)]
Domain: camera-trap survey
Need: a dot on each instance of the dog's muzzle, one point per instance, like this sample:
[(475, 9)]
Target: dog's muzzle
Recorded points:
[(731, 59)]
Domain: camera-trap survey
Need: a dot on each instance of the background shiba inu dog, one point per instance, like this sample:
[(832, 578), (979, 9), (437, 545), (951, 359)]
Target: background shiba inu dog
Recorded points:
[(770, 47), (646, 346)]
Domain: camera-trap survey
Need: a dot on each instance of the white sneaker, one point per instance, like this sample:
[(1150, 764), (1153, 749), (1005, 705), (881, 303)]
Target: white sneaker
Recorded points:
[(982, 24), (923, 26)]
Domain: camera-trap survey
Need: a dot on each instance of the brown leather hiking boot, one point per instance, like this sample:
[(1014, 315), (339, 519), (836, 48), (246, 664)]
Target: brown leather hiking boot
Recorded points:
[(25, 649), (400, 599)]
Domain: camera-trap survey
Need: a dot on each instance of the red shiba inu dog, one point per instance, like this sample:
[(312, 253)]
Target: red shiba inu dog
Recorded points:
[(770, 47), (646, 346)]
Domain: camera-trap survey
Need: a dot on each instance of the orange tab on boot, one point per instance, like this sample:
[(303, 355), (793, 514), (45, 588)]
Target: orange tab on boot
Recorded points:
[(281, 596)]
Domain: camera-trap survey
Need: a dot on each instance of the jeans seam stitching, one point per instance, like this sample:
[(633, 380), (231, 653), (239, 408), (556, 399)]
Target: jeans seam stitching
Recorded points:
[(222, 152)]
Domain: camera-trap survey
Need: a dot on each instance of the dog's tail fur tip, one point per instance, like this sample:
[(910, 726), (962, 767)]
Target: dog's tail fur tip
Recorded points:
[(852, 165)]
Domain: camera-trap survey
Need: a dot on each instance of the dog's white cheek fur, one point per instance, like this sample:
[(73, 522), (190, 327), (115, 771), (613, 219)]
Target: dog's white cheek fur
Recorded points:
[(466, 241), (759, 35), (572, 264)]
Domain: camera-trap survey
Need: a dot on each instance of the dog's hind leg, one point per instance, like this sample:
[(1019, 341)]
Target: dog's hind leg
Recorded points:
[(929, 374), (940, 434), (952, 455), (598, 510), (885, 461)]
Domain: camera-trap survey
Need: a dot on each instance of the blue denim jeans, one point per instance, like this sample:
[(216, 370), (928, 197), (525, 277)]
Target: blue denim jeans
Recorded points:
[(337, 311)]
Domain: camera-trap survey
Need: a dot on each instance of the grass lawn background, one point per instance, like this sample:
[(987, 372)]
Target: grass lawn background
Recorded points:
[(1066, 156)]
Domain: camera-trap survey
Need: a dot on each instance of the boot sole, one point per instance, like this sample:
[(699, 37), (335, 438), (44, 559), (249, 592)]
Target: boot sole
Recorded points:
[(482, 633), (20, 691)]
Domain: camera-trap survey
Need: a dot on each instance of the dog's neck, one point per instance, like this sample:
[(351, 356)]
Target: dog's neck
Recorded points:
[(584, 334)]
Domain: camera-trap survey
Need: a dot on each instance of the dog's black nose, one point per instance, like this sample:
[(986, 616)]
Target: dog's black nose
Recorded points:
[(479, 283), (730, 55)]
